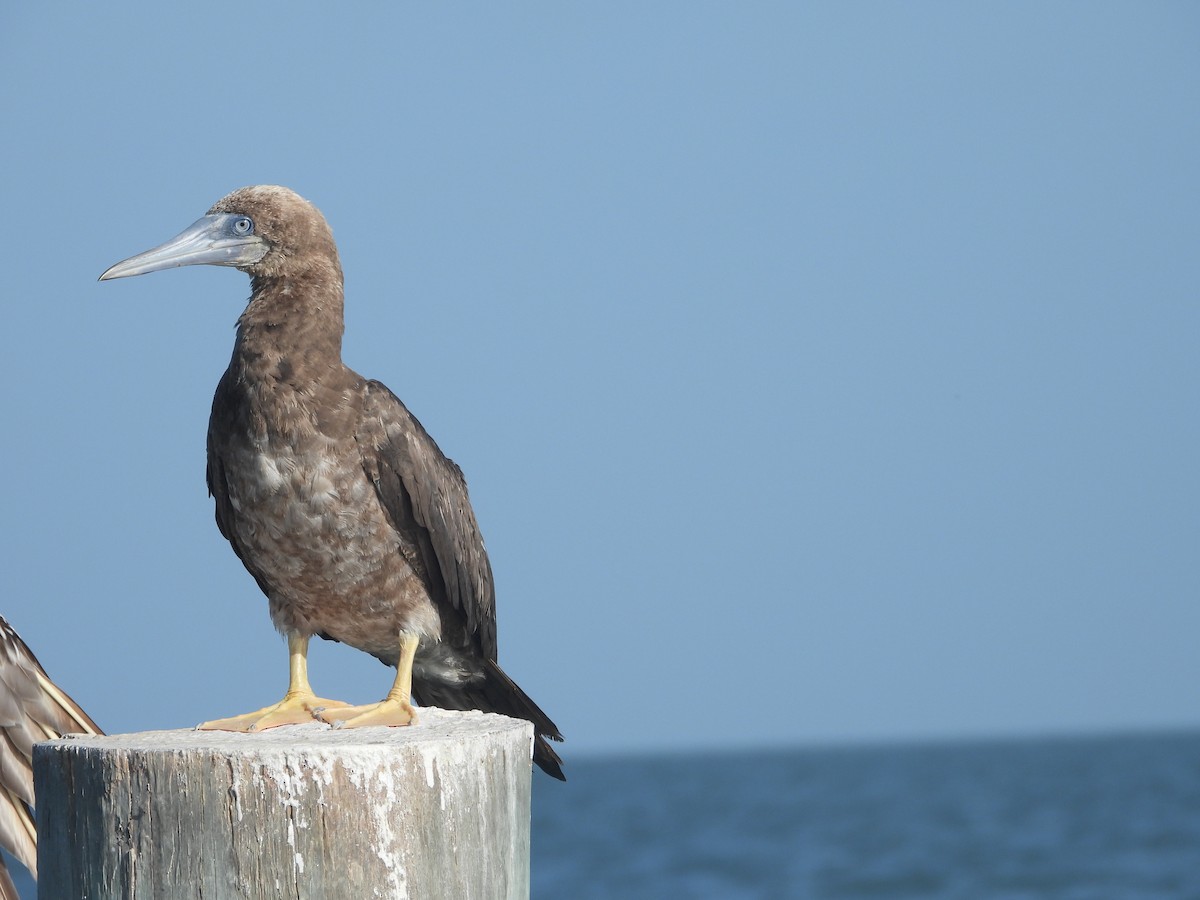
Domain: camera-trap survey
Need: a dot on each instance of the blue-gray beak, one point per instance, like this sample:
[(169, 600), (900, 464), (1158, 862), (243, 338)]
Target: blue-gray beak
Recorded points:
[(212, 240)]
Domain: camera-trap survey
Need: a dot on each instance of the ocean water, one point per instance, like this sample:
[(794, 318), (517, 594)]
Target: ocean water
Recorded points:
[(1107, 818)]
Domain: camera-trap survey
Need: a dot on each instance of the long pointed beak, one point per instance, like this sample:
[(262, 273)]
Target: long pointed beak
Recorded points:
[(207, 241)]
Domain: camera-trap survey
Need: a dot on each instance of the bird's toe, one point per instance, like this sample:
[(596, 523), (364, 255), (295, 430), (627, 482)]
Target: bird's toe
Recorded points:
[(388, 712), (291, 710)]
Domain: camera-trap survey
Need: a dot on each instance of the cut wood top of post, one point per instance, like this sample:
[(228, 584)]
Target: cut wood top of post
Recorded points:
[(437, 729)]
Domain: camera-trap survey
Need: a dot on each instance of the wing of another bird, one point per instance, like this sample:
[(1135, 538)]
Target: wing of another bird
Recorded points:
[(425, 495), (32, 709)]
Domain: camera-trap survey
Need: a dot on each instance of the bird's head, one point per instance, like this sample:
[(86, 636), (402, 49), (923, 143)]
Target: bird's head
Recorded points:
[(266, 231)]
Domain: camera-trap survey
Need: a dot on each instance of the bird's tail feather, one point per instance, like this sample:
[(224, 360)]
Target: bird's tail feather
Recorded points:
[(498, 693)]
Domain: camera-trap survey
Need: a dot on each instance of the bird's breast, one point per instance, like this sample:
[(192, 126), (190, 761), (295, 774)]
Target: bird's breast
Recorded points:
[(308, 510), (308, 522)]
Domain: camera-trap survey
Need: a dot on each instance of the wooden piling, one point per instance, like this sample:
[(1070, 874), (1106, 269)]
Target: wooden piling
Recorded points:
[(439, 809)]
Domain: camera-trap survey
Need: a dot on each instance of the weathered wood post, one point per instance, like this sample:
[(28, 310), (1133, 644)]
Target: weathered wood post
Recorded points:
[(440, 809)]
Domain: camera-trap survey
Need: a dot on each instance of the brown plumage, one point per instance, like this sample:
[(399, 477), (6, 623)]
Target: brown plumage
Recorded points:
[(352, 521), (32, 709)]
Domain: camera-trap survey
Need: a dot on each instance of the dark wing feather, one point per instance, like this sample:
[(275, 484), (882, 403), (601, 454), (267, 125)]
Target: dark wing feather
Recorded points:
[(218, 489), (32, 709), (225, 415), (425, 495)]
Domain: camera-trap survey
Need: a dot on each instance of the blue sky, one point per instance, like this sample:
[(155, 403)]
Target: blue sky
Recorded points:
[(819, 372)]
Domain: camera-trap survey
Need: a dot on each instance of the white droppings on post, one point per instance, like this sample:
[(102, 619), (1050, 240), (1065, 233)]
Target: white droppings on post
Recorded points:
[(235, 789), (384, 845), (428, 758)]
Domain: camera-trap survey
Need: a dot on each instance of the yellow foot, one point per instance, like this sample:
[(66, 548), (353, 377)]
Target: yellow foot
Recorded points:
[(294, 709), (385, 712)]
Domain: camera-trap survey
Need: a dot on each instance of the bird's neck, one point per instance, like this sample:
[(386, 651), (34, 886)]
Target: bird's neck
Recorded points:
[(292, 326)]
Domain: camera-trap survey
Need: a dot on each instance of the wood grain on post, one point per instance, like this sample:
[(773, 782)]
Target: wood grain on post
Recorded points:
[(440, 809)]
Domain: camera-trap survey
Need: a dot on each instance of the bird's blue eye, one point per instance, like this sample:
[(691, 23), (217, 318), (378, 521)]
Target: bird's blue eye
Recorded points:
[(243, 226)]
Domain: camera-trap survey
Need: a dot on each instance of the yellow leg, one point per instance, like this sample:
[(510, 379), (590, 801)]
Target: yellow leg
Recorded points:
[(298, 705), (394, 709)]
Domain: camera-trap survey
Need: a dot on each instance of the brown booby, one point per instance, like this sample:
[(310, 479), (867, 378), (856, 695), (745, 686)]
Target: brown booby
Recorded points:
[(32, 708), (335, 498)]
